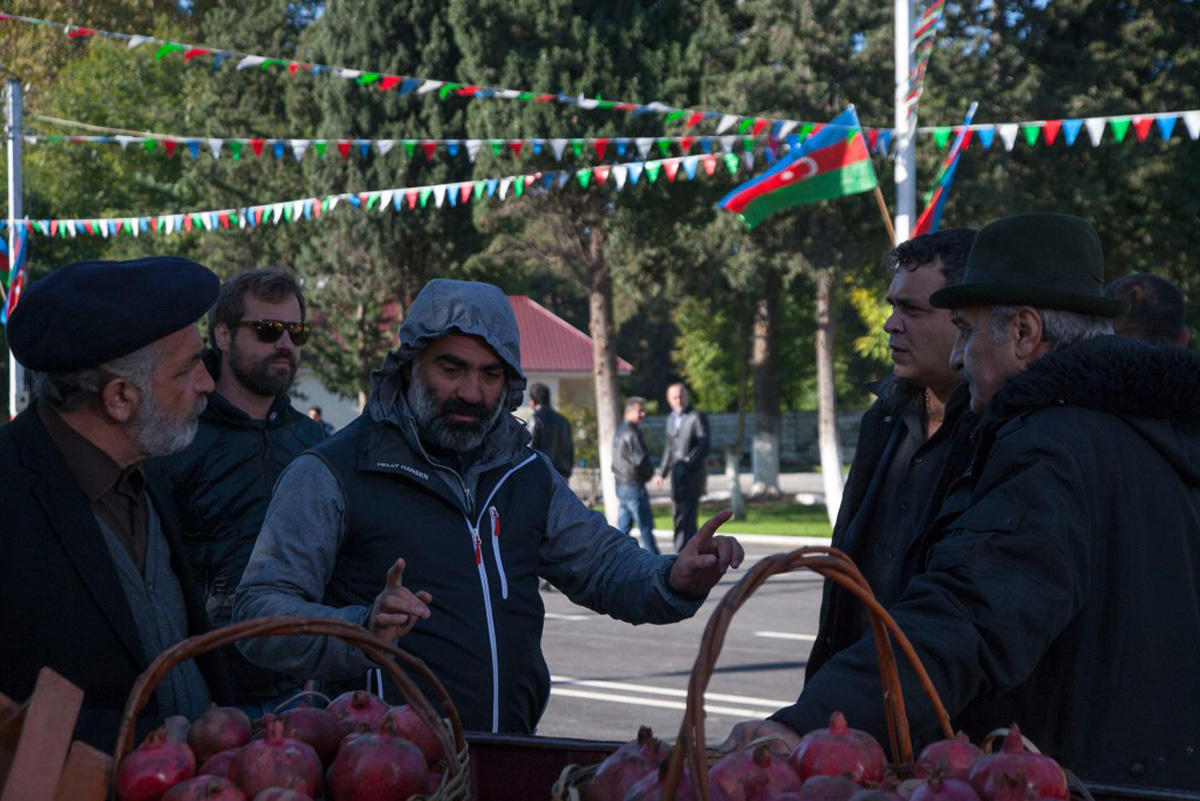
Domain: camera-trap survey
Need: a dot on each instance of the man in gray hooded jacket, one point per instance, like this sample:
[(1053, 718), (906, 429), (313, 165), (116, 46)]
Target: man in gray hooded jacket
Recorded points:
[(435, 487)]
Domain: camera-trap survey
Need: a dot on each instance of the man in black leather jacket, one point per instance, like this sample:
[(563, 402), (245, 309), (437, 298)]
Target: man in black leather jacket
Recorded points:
[(633, 468)]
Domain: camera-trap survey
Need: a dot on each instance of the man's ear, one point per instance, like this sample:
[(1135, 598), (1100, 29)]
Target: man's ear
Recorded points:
[(223, 337), (1028, 334), (120, 399)]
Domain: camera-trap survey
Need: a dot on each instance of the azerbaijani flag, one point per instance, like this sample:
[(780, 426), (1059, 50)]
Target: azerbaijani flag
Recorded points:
[(931, 217), (16, 273), (831, 163)]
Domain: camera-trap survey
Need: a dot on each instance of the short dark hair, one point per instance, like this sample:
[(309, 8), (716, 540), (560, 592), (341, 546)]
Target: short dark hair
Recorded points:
[(634, 400), (1157, 313), (539, 393), (952, 245), (272, 284)]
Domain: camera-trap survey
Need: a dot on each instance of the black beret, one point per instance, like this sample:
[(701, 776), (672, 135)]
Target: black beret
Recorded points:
[(89, 312)]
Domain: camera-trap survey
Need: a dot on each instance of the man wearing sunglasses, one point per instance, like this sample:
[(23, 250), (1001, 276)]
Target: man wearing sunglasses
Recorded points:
[(435, 488), (248, 434)]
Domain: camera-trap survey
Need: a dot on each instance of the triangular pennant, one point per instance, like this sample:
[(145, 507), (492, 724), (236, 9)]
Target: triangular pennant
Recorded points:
[(987, 135), (385, 198), (710, 165), (601, 172), (320, 146), (298, 148), (439, 195), (1191, 121), (410, 147), (423, 195), (497, 147), (149, 144), (384, 145), (652, 170), (731, 163), (685, 144), (1050, 130), (622, 145), (250, 61), (671, 168), (619, 174), (1120, 127), (124, 140), (885, 140), (411, 197), (601, 147), (728, 142), (515, 146), (1095, 129), (635, 172), (193, 146), (257, 146), (694, 118), (169, 145), (644, 143), (689, 168), (428, 86), (1008, 134), (536, 145), (1071, 129), (727, 122), (430, 149), (1031, 134), (464, 191), (452, 146), (505, 183), (364, 149), (277, 212), (584, 176), (1166, 124), (941, 136), (1141, 127), (473, 146), (557, 146), (343, 147), (214, 147), (519, 186), (491, 184), (664, 147), (748, 159), (277, 148)]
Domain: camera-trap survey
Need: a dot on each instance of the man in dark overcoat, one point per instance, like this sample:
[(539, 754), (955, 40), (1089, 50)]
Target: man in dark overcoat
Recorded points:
[(93, 582), (685, 461)]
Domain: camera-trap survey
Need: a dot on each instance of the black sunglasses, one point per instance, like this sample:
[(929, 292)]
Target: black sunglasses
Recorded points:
[(271, 330)]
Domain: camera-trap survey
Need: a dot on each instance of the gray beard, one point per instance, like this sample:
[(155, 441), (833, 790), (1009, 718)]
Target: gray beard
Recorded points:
[(433, 426), (157, 433)]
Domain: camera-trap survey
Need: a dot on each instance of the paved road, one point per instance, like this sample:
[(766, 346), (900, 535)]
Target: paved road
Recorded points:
[(610, 677)]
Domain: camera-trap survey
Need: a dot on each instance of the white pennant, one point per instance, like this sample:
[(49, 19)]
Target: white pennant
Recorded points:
[(214, 146), (563, 177), (748, 159), (133, 226), (206, 221), (298, 147), (429, 86), (1008, 134), (297, 210), (787, 128), (342, 72), (504, 184), (727, 122), (103, 227), (1191, 119), (508, 94), (384, 145), (385, 199), (277, 213), (124, 141), (241, 217), (586, 103), (1095, 128), (618, 174), (644, 144), (333, 201), (168, 225), (439, 195), (558, 145), (727, 143), (134, 41), (250, 61), (473, 146)]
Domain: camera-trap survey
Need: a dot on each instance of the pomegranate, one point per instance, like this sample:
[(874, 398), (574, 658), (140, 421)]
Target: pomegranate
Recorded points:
[(944, 788), (276, 761), (828, 788), (624, 767), (650, 787), (868, 794), (317, 727), (410, 726), (754, 775), (281, 794), (218, 729), (907, 787), (159, 763), (358, 706), (1043, 777), (839, 751), (377, 767), (204, 788), (217, 764), (953, 758)]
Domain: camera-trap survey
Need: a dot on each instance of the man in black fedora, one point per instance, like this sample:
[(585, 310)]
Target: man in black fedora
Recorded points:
[(93, 581), (1062, 591)]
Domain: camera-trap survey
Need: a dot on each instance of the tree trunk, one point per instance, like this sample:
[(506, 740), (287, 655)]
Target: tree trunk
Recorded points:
[(827, 435), (765, 360), (604, 370), (733, 457)]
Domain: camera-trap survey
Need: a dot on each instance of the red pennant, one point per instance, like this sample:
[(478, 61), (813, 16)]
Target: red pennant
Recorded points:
[(816, 129), (258, 215), (1050, 130), (1141, 127), (872, 138), (465, 192), (411, 197), (80, 32), (430, 149), (624, 106), (362, 198), (966, 140), (193, 52), (169, 145), (257, 146), (710, 164), (545, 98), (187, 223), (694, 118), (316, 207), (515, 146), (53, 227), (601, 145), (293, 67), (670, 168), (388, 82), (87, 226), (759, 126), (600, 173), (467, 91), (224, 218), (344, 148), (685, 144)]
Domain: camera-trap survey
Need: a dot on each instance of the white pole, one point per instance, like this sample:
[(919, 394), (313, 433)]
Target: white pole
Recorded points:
[(17, 397), (905, 167)]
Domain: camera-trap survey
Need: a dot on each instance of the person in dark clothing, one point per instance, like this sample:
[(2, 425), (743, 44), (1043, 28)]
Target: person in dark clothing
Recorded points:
[(1061, 591), (1157, 313), (633, 468), (93, 580), (910, 442), (248, 433), (551, 432), (434, 486), (685, 460), (317, 416)]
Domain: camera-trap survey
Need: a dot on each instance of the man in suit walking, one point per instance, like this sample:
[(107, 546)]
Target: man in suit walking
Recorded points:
[(684, 459)]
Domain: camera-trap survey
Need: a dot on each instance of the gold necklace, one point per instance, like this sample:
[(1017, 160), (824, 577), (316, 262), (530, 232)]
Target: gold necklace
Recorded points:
[(930, 415)]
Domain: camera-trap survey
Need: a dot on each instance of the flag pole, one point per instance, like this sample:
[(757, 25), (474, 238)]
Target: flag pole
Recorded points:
[(887, 218)]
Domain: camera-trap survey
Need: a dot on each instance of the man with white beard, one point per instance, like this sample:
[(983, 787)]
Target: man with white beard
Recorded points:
[(435, 488), (93, 583)]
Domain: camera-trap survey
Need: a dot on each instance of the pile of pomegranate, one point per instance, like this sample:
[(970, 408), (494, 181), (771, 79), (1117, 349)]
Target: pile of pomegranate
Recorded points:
[(356, 749), (836, 764)]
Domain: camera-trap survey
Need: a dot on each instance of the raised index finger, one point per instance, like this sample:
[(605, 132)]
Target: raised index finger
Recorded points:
[(395, 575), (703, 538)]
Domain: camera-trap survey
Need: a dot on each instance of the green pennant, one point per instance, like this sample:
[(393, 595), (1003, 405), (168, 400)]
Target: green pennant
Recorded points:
[(409, 147), (806, 130), (320, 148), (446, 89), (497, 146), (287, 212), (577, 147), (372, 200), (674, 115), (236, 149), (325, 201), (150, 144), (652, 172), (731, 161), (1120, 127), (519, 186), (745, 125), (424, 196), (584, 177), (477, 190), (941, 136), (167, 47), (55, 138), (605, 104), (1031, 133), (664, 147), (748, 144), (158, 225), (125, 226), (368, 78), (526, 96), (271, 62)]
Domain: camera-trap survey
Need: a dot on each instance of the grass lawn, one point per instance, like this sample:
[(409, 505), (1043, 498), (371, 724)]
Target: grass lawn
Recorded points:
[(762, 517)]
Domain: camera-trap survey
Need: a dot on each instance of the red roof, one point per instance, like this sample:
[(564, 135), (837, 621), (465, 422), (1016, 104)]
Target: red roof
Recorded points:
[(549, 344)]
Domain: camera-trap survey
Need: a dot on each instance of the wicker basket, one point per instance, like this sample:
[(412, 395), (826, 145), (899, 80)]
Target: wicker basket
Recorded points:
[(834, 565), (455, 786)]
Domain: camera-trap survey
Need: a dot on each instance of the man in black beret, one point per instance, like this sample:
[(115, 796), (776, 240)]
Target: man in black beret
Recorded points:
[(93, 583), (1062, 591)]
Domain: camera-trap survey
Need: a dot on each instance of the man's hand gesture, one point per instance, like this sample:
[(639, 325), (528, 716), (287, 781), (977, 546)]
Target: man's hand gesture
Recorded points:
[(397, 608), (705, 559)]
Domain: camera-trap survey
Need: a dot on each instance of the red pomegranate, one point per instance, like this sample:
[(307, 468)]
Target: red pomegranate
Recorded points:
[(1042, 775), (158, 764), (828, 788), (276, 761), (944, 788), (953, 758), (754, 775), (624, 767), (409, 725), (280, 794), (839, 751), (650, 787), (870, 794), (217, 764), (377, 767), (358, 707), (218, 729), (317, 727), (204, 788)]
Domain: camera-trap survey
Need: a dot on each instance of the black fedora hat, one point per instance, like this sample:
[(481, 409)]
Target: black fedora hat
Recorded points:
[(1049, 261)]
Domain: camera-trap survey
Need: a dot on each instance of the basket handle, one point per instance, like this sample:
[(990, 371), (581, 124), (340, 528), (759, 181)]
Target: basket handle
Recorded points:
[(836, 566), (451, 740)]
